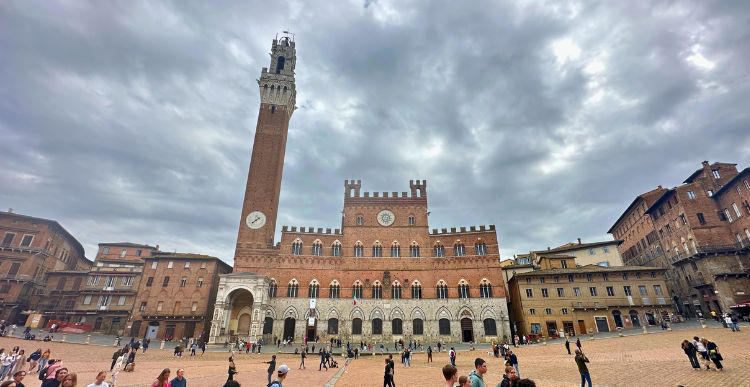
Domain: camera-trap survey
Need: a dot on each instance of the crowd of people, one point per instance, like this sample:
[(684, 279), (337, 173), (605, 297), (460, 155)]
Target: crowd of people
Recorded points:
[(708, 351)]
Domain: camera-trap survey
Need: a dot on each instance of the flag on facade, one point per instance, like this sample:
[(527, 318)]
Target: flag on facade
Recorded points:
[(355, 299)]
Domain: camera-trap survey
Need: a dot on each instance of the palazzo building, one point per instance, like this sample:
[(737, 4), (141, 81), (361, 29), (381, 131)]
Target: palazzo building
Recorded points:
[(381, 276)]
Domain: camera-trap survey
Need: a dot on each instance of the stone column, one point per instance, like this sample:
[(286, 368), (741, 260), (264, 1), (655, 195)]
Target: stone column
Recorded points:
[(217, 323)]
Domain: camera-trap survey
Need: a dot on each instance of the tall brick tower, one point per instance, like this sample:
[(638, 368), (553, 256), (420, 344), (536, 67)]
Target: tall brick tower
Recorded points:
[(277, 99)]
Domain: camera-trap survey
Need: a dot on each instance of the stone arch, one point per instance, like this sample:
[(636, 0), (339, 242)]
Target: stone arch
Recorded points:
[(443, 312), (376, 313), (466, 312), (417, 313), (271, 312), (291, 312), (307, 313), (332, 313), (487, 312), (397, 313), (357, 313)]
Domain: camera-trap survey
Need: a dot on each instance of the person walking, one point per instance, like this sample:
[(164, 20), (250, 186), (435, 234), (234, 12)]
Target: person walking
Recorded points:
[(119, 364), (322, 360), (388, 375), (271, 367), (179, 380), (692, 354), (99, 382), (44, 359), (581, 361), (303, 355), (146, 343), (163, 379), (477, 376), (115, 356), (713, 353), (509, 377), (6, 363), (735, 320), (513, 360), (34, 359), (702, 350), (232, 370), (429, 354), (450, 373), (567, 345), (407, 357), (578, 343), (452, 356)]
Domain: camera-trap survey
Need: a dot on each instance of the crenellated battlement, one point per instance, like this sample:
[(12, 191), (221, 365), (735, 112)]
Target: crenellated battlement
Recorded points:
[(310, 230), (462, 230), (352, 189)]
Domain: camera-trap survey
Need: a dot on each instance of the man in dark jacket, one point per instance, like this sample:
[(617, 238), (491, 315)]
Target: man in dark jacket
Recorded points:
[(115, 356), (508, 377), (581, 361), (567, 345)]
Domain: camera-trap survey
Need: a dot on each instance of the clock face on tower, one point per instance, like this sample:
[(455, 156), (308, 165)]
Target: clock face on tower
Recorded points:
[(386, 218), (255, 220)]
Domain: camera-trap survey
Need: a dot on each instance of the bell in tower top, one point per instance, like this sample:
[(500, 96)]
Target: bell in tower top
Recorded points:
[(283, 56)]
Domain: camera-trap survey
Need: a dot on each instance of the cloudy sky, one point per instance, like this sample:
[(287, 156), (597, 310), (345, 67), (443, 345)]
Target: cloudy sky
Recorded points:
[(134, 121)]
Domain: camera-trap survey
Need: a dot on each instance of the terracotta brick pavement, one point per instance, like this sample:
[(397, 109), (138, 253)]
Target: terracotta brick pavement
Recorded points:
[(643, 360)]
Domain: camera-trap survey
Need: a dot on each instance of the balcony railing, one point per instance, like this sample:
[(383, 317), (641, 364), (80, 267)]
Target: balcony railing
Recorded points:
[(708, 249), (16, 277)]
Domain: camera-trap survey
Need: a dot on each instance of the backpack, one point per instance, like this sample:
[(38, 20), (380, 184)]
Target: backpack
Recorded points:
[(43, 373)]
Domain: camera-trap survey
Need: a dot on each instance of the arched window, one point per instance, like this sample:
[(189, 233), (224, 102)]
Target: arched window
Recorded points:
[(416, 290), (317, 248), (313, 290), (438, 250), (333, 326), (463, 289), (459, 250), (357, 289), (280, 64), (412, 220), (360, 220), (357, 326), (358, 249), (297, 247), (396, 290), (442, 290), (417, 326), (414, 249), (480, 248), (377, 249), (377, 326), (397, 326), (485, 289), (272, 287), (377, 290), (395, 250), (490, 328), (336, 249), (292, 289), (444, 326), (334, 289)]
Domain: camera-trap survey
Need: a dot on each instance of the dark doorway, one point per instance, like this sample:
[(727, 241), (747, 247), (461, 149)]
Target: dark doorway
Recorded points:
[(310, 331), (650, 319), (601, 324), (634, 318), (289, 324), (552, 329), (617, 317), (189, 329), (568, 328), (169, 332), (581, 327), (98, 323), (467, 330), (135, 329)]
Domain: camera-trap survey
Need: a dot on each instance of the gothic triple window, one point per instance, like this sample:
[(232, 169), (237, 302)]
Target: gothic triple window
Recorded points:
[(416, 290), (414, 250), (377, 250), (317, 248), (336, 249), (358, 250), (292, 289), (297, 247), (459, 250), (313, 290), (442, 290), (463, 289), (396, 291), (438, 250), (377, 290), (334, 289), (395, 250), (480, 248), (485, 289), (357, 290)]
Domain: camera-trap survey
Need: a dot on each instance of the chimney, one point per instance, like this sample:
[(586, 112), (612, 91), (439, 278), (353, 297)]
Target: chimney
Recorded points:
[(10, 210), (705, 163), (579, 241), (548, 248)]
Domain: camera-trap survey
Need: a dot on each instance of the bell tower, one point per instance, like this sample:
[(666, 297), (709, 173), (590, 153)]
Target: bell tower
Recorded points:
[(277, 99)]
